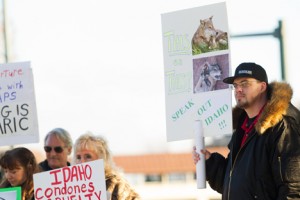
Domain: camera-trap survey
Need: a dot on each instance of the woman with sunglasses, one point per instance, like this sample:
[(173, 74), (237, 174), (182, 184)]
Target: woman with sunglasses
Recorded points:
[(58, 146), (19, 165), (88, 148)]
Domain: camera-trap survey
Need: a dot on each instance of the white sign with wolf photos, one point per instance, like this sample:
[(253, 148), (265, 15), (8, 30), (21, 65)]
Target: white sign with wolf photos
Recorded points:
[(196, 60)]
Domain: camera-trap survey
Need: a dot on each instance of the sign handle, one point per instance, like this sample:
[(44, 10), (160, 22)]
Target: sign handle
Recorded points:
[(200, 166)]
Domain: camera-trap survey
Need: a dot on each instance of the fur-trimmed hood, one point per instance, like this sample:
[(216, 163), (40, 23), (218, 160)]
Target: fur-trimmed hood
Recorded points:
[(280, 95)]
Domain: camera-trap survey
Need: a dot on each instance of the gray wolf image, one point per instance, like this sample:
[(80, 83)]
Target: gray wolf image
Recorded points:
[(209, 75), (207, 38)]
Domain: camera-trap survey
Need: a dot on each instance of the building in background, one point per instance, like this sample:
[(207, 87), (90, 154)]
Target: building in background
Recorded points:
[(167, 176)]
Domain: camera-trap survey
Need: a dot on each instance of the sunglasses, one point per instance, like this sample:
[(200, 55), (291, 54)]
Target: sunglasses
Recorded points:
[(57, 149)]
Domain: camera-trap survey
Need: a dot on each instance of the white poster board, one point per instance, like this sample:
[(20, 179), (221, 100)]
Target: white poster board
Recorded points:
[(11, 193), (196, 60), (81, 181), (18, 113)]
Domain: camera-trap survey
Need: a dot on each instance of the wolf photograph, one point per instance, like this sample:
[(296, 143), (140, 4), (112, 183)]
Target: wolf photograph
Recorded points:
[(207, 38), (209, 73)]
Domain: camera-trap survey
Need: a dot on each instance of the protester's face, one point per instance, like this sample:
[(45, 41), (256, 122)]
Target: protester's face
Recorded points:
[(248, 91), (85, 155), (15, 177), (57, 159)]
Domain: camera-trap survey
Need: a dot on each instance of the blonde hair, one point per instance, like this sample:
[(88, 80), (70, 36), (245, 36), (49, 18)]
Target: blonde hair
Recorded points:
[(97, 144)]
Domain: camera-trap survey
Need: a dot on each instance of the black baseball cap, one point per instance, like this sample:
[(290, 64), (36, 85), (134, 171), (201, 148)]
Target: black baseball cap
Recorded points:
[(248, 69)]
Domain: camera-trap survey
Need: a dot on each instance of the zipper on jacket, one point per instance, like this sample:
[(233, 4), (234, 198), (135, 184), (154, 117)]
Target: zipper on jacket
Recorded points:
[(280, 171), (230, 173), (233, 164)]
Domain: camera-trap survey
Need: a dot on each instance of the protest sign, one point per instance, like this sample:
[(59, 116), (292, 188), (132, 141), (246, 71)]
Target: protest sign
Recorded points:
[(80, 182), (196, 60), (12, 193), (18, 114)]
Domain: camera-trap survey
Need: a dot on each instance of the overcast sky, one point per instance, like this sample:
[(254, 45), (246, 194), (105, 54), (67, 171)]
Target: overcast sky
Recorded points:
[(98, 65)]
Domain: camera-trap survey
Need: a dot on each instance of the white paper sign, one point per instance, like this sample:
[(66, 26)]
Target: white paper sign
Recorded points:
[(11, 193), (196, 60), (18, 114), (82, 181)]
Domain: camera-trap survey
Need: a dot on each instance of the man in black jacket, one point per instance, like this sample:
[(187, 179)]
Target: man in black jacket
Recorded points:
[(264, 157)]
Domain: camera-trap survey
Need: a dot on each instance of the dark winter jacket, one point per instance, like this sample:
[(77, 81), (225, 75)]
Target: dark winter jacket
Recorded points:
[(268, 165), (45, 166)]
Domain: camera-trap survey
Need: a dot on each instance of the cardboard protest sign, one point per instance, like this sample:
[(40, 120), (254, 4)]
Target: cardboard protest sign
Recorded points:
[(12, 193), (82, 181), (196, 60), (18, 114)]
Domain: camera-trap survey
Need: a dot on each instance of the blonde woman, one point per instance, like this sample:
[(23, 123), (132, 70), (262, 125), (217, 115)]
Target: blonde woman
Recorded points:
[(89, 147)]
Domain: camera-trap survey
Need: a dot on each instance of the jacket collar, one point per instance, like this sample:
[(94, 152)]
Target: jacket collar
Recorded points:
[(280, 95)]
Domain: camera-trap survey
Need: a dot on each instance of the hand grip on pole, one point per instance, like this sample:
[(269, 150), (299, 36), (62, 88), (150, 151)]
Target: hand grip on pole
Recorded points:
[(200, 166)]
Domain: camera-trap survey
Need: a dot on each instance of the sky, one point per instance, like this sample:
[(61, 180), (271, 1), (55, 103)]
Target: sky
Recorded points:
[(98, 65)]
